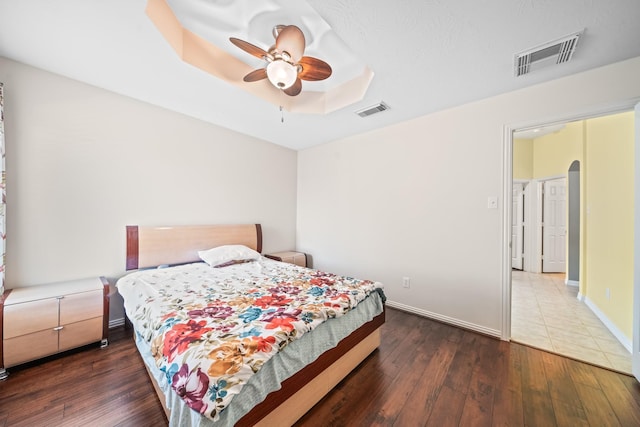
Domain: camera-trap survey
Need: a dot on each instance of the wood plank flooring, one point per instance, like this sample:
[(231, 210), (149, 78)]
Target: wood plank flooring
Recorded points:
[(425, 373)]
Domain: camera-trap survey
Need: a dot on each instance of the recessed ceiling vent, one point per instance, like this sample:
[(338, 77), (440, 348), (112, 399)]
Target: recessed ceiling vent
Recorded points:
[(555, 52), (378, 108)]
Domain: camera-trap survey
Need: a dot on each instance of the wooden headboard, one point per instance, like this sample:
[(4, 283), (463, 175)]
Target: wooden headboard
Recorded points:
[(153, 246)]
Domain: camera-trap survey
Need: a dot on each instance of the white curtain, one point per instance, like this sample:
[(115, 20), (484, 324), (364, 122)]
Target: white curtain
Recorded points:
[(3, 188)]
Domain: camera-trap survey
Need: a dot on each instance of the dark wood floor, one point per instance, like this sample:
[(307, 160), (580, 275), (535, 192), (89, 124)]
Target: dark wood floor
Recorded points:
[(424, 373)]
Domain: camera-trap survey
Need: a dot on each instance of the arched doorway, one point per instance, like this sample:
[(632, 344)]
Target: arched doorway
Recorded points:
[(573, 231)]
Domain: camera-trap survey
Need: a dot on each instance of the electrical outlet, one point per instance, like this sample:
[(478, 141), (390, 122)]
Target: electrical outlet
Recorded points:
[(406, 282), (608, 293)]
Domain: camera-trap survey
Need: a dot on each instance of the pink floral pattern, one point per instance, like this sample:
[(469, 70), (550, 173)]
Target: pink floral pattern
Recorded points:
[(191, 387)]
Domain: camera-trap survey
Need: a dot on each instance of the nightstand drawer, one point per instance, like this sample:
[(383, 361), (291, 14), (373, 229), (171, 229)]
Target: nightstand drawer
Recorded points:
[(80, 333), (29, 317), (30, 347), (81, 306)]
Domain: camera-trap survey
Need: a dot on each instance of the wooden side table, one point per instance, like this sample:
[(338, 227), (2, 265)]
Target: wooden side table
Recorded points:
[(292, 257), (38, 321)]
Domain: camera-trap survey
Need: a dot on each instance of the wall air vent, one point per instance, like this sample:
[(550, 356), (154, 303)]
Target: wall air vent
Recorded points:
[(555, 52), (378, 108)]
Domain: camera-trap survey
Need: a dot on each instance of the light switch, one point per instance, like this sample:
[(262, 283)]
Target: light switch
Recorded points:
[(492, 202)]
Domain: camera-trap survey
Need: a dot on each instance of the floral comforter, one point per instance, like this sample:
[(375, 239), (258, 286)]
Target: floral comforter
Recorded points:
[(211, 329)]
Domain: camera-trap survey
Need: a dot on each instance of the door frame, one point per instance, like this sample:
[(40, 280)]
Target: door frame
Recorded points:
[(507, 187), (635, 333), (520, 223)]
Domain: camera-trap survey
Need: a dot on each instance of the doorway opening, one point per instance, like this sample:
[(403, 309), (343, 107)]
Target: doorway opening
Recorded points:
[(573, 257), (564, 316)]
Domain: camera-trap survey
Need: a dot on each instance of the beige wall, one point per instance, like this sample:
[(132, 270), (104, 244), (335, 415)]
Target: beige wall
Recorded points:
[(550, 155), (411, 199), (610, 222), (554, 153), (82, 163), (522, 158)]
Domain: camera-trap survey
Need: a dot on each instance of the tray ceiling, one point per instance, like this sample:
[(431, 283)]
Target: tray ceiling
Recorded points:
[(424, 56)]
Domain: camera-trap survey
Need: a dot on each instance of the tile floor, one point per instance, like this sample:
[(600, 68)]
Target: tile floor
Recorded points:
[(545, 313)]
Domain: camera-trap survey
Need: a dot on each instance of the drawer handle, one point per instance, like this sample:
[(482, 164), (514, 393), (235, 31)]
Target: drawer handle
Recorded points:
[(58, 328)]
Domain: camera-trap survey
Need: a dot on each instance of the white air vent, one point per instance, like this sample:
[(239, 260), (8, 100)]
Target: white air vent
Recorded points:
[(365, 112), (555, 52)]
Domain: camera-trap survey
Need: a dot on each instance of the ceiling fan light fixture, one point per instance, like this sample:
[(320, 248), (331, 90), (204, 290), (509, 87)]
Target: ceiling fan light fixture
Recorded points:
[(282, 74), (286, 65)]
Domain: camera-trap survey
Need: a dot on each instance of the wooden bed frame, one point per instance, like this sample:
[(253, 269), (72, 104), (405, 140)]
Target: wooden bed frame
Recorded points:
[(153, 246)]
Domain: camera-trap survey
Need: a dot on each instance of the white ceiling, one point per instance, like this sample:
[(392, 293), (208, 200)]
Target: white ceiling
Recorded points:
[(427, 55)]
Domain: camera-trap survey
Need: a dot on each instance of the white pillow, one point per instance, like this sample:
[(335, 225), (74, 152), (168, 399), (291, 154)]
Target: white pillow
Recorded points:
[(222, 256)]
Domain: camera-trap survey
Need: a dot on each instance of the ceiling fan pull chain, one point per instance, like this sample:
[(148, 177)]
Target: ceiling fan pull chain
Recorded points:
[(281, 115)]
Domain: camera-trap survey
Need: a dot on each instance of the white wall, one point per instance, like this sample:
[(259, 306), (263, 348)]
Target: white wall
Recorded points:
[(83, 162), (408, 200), (411, 199)]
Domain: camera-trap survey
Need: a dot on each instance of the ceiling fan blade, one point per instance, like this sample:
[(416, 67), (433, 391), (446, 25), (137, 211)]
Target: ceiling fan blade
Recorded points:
[(295, 89), (255, 75), (313, 69), (291, 39), (249, 48)]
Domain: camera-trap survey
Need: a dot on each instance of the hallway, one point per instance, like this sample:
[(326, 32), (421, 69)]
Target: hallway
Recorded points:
[(545, 313)]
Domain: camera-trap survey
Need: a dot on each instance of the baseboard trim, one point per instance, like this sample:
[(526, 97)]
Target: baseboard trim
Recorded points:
[(445, 319), (572, 283), (116, 322), (626, 342)]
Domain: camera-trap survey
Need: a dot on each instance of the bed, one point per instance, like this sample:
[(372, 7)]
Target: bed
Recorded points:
[(187, 275)]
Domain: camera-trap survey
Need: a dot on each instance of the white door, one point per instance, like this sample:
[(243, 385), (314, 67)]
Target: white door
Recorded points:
[(517, 226), (554, 226)]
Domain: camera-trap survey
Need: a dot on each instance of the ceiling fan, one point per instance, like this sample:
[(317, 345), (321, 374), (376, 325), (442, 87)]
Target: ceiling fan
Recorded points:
[(286, 65)]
